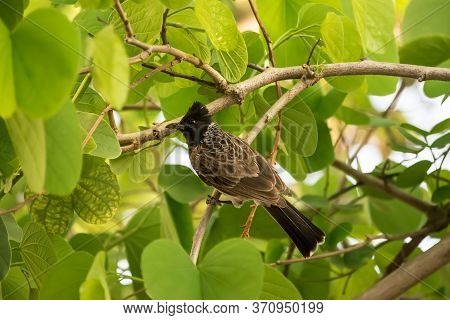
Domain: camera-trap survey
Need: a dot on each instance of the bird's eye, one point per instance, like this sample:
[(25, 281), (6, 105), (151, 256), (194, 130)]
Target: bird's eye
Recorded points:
[(193, 121)]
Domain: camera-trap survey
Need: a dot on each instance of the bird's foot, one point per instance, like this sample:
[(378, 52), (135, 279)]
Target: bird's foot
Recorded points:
[(210, 200)]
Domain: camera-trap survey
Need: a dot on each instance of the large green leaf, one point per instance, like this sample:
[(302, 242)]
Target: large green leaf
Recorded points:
[(233, 62), (111, 71), (95, 286), (394, 216), (311, 278), (37, 251), (342, 43), (8, 163), (28, 137), (375, 22), (413, 175), (231, 270), (104, 137), (219, 24), (96, 197), (277, 287), (6, 72), (63, 148), (175, 4), (64, 279), (5, 251), (181, 183), (145, 17), (15, 286), (352, 116), (426, 33), (11, 12), (434, 88), (349, 287), (54, 213), (43, 84), (181, 216), (86, 242), (189, 42), (324, 154)]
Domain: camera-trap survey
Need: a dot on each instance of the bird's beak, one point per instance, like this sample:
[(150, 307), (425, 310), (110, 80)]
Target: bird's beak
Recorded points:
[(176, 126)]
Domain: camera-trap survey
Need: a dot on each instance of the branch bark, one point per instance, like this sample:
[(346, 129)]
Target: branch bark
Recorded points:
[(235, 93), (411, 273)]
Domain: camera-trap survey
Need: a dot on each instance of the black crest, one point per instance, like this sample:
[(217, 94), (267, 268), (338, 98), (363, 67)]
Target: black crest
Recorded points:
[(197, 112)]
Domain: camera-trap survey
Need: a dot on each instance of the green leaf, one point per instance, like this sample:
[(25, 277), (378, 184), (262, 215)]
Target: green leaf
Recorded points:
[(188, 42), (37, 251), (5, 251), (95, 286), (255, 46), (441, 126), (411, 137), (86, 242), (324, 154), (14, 230), (145, 17), (426, 40), (358, 258), (328, 105), (95, 4), (96, 197), (315, 201), (394, 216), (64, 279), (168, 272), (104, 137), (441, 194), (91, 21), (11, 12), (277, 287), (63, 148), (52, 212), (219, 24), (7, 91), (231, 270), (352, 116), (375, 22), (342, 43), (311, 279), (442, 141), (413, 175), (233, 62), (175, 4), (15, 286), (111, 72), (143, 228), (176, 180), (337, 234), (7, 154), (43, 84), (61, 247), (28, 137), (299, 128), (415, 129), (274, 250), (182, 219)]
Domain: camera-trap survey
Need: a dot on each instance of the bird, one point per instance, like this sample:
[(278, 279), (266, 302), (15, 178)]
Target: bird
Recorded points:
[(233, 167)]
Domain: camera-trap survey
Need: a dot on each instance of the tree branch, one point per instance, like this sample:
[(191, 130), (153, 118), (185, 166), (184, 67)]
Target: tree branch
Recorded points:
[(411, 273), (270, 75), (429, 209), (164, 28)]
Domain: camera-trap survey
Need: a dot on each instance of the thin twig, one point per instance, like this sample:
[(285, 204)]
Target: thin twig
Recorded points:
[(255, 67), (95, 125), (124, 18), (164, 27), (18, 206), (154, 71), (183, 76), (312, 51), (248, 223)]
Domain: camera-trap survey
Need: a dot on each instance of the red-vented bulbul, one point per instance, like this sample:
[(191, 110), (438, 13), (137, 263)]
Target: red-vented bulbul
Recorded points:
[(231, 166)]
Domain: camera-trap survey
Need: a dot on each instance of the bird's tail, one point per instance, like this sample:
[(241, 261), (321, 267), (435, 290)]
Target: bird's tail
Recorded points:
[(305, 235)]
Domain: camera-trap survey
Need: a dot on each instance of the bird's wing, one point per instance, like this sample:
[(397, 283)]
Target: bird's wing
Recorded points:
[(233, 167)]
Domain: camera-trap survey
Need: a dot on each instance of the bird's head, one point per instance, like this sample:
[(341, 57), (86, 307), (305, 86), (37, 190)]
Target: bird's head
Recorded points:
[(194, 123)]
